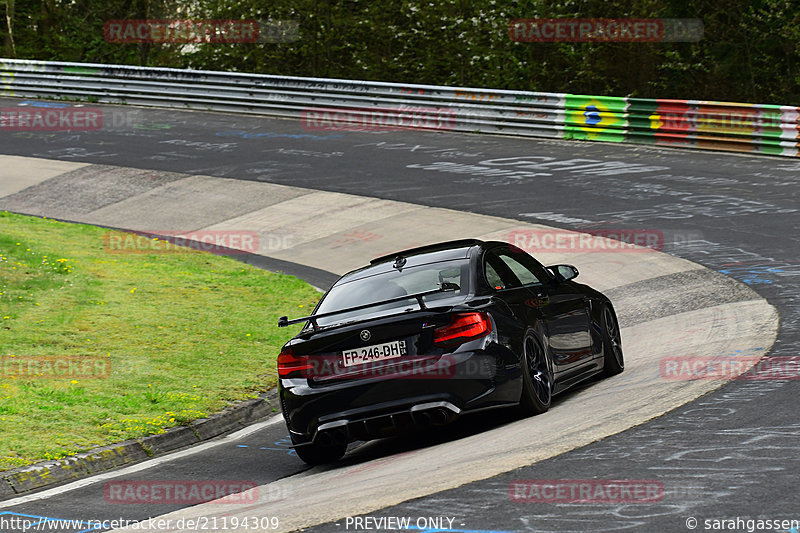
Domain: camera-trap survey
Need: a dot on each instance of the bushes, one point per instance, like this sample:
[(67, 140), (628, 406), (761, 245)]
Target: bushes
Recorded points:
[(750, 50)]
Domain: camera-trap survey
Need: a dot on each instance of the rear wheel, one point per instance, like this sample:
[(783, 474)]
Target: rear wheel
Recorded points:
[(537, 378), (613, 361)]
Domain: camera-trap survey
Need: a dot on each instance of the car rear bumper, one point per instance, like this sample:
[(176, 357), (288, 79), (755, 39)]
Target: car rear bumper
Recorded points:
[(363, 409), (372, 424)]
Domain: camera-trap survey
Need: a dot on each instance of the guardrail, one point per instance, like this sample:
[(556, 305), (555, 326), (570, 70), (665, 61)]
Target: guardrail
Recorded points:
[(346, 104)]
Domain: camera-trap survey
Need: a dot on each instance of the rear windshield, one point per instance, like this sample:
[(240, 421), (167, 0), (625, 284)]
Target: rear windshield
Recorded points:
[(393, 284)]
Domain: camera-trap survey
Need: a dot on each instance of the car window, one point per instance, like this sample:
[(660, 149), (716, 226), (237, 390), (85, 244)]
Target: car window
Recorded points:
[(393, 284), (493, 277), (522, 272), (498, 274), (534, 266), (514, 269)]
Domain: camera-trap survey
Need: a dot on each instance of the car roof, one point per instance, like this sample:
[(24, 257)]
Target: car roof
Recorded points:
[(421, 255), (460, 247)]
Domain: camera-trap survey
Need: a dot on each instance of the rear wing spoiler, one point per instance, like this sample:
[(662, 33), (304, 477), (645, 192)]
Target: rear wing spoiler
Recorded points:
[(443, 287)]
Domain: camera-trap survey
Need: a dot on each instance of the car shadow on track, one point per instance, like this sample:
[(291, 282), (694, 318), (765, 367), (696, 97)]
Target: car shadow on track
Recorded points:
[(466, 426)]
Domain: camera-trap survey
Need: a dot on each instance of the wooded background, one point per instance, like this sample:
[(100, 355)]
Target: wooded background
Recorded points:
[(750, 51)]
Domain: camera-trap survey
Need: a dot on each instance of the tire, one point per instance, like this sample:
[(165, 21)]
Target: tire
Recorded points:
[(316, 454), (613, 360), (537, 378)]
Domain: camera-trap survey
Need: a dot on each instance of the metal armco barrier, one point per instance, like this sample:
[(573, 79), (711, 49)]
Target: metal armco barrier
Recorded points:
[(754, 128)]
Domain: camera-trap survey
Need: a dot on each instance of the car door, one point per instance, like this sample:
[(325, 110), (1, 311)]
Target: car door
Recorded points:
[(533, 294)]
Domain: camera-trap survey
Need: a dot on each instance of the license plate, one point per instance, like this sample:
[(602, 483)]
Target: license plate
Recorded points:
[(377, 352)]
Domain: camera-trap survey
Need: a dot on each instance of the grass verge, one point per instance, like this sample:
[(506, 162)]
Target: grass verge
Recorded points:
[(169, 337)]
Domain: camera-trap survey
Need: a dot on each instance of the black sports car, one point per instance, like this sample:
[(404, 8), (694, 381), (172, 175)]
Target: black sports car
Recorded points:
[(422, 336)]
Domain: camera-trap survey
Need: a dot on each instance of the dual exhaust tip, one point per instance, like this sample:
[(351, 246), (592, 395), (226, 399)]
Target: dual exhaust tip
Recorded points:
[(331, 437), (434, 413), (434, 417)]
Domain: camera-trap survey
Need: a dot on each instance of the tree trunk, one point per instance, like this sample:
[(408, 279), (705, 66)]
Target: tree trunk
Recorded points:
[(10, 48)]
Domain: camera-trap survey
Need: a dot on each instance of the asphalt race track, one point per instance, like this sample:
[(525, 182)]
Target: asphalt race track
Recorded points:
[(732, 453)]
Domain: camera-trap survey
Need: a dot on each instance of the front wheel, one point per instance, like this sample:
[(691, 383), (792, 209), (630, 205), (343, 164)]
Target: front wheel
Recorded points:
[(613, 361), (537, 378)]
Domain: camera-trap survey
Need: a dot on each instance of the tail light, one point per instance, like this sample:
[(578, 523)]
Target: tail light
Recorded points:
[(463, 327), (290, 365)]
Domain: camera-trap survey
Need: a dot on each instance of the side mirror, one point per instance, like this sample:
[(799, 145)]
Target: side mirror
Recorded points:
[(564, 272)]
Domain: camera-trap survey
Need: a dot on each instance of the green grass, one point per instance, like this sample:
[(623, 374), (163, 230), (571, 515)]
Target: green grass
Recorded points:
[(186, 334)]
